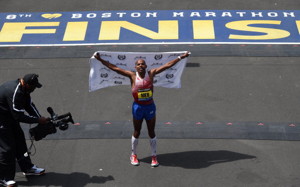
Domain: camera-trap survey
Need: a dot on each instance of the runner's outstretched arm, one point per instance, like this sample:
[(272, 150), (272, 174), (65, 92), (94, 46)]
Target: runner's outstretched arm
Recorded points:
[(169, 64), (113, 67)]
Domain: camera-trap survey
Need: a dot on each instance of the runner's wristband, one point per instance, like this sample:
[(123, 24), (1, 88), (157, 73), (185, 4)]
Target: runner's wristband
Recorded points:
[(179, 57)]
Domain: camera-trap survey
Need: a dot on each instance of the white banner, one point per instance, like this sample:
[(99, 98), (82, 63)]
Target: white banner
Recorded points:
[(101, 76)]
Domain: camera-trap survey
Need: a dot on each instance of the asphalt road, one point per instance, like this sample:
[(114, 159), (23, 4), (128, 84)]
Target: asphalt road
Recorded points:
[(222, 87)]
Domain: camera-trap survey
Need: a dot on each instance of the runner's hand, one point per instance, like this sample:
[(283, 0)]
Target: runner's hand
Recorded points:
[(185, 55), (97, 56)]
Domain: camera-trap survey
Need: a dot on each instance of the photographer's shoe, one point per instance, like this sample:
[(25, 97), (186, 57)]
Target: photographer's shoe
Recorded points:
[(5, 183), (35, 171)]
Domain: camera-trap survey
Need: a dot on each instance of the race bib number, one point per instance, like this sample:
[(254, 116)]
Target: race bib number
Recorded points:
[(144, 95)]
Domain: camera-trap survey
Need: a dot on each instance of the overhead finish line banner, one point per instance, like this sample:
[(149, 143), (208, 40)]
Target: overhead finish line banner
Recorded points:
[(150, 27)]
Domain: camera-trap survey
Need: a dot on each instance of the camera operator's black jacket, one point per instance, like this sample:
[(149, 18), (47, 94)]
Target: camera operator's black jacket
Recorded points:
[(14, 101)]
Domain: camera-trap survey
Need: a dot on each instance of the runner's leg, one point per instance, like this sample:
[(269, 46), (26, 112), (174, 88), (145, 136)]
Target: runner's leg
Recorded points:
[(134, 141), (151, 127), (137, 124), (151, 132)]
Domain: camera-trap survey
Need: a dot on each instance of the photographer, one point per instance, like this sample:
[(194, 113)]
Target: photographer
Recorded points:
[(15, 100)]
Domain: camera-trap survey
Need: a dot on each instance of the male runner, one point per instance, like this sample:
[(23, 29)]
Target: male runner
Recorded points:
[(143, 106)]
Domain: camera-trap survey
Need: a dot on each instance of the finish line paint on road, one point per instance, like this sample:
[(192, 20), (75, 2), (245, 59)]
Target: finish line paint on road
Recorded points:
[(150, 27)]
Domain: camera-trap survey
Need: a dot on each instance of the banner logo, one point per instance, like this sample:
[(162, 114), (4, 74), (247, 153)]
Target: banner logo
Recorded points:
[(158, 57), (121, 57)]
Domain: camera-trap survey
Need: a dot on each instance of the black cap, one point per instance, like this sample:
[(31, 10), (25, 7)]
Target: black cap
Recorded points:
[(32, 79)]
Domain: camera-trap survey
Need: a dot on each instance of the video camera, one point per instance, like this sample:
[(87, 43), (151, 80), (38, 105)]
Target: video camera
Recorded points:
[(62, 122)]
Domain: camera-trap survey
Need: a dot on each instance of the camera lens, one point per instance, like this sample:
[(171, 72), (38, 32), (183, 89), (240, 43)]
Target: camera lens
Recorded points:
[(63, 126)]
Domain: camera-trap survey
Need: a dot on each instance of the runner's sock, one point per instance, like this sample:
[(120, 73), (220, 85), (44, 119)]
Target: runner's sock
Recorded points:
[(153, 146), (134, 143)]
